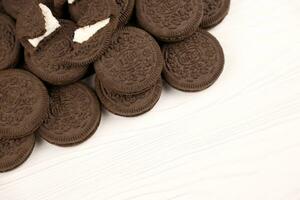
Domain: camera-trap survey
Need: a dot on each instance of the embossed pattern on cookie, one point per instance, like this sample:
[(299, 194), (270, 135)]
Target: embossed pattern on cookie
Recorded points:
[(195, 63), (214, 12), (76, 50), (74, 115), (48, 62), (1, 7), (129, 105), (55, 48), (126, 9), (13, 7), (132, 64), (24, 103), (170, 21), (89, 14), (56, 74), (9, 46), (14, 152)]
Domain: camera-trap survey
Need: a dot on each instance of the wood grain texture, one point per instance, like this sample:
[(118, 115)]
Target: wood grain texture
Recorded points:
[(240, 139)]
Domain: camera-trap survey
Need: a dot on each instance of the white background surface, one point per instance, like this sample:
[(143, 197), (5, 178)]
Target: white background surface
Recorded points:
[(240, 139)]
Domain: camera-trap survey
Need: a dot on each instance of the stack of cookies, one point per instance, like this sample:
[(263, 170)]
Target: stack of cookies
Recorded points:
[(48, 46), (128, 79)]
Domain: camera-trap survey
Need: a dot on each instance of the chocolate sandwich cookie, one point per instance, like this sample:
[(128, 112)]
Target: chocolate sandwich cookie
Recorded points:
[(92, 16), (129, 105), (195, 63), (74, 115), (214, 12), (24, 103), (126, 9), (132, 64), (14, 152), (35, 24), (84, 44), (169, 21), (9, 46), (47, 61)]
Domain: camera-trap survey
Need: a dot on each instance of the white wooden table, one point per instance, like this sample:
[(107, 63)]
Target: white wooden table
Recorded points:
[(240, 139)]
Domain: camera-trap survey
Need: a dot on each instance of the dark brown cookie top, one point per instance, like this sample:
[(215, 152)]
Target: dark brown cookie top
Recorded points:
[(132, 64), (24, 103), (195, 63), (56, 74), (13, 7), (56, 48), (30, 22), (48, 61), (170, 20), (73, 116), (14, 152), (214, 12), (129, 105), (9, 46), (126, 9), (88, 12)]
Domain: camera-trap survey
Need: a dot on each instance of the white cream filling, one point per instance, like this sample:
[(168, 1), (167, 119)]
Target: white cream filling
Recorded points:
[(51, 24), (71, 1), (85, 33)]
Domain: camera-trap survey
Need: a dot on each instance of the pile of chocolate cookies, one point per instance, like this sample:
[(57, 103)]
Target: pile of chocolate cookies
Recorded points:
[(48, 46)]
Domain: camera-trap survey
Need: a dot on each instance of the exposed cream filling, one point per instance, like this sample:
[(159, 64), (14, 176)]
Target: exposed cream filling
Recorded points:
[(51, 24), (71, 1), (85, 33)]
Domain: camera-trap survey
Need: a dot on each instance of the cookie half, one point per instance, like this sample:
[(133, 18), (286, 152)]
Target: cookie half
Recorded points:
[(9, 45), (96, 21), (129, 105), (35, 24), (169, 21), (14, 152), (24, 103), (195, 63), (74, 115)]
